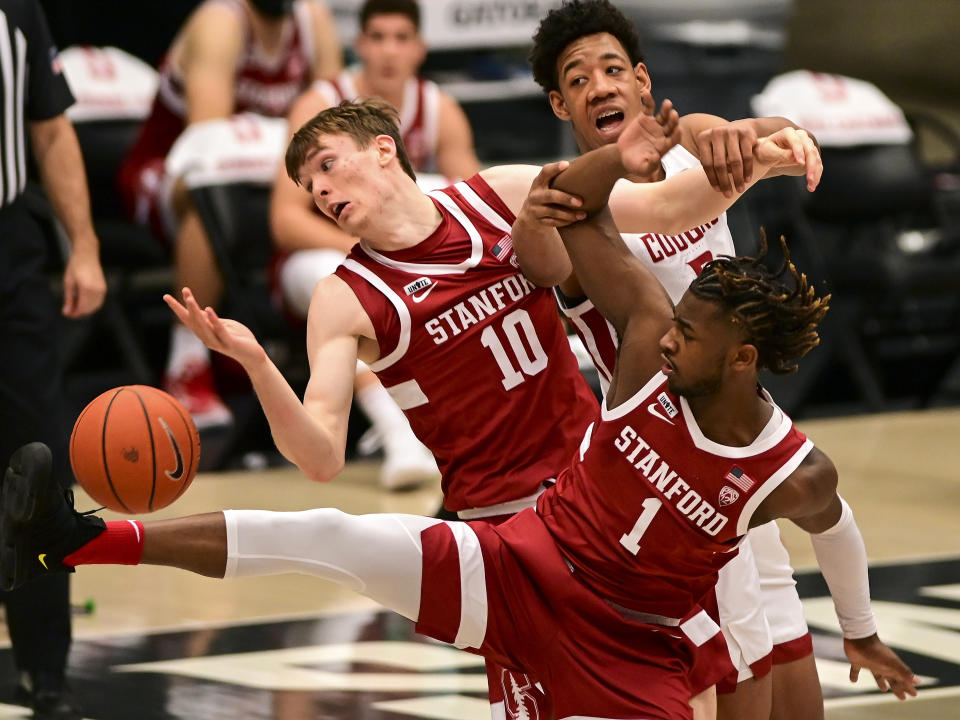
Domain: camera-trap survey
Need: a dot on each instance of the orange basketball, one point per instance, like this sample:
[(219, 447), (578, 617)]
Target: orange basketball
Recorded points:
[(134, 449)]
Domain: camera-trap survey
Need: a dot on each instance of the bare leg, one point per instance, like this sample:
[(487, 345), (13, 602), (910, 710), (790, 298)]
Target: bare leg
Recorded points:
[(796, 691), (196, 265), (188, 374), (197, 543), (751, 701), (407, 462)]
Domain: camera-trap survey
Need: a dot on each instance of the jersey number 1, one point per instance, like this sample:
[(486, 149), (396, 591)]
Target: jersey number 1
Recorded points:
[(631, 541), (530, 357)]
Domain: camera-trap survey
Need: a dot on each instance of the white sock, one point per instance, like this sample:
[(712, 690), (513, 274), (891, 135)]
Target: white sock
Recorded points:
[(382, 411), (185, 347)]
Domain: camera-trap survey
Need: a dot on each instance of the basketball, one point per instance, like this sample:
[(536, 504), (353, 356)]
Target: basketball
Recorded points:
[(134, 449)]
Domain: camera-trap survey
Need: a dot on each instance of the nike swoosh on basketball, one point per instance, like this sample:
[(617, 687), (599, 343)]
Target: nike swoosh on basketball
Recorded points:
[(423, 296), (654, 409), (42, 557), (177, 473)]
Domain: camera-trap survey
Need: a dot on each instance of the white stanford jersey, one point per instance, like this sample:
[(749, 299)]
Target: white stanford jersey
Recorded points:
[(675, 260), (473, 353), (419, 115), (650, 509)]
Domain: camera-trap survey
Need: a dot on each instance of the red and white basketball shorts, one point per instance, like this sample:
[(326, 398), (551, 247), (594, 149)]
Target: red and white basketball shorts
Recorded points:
[(778, 593), (146, 190), (742, 619), (506, 592)]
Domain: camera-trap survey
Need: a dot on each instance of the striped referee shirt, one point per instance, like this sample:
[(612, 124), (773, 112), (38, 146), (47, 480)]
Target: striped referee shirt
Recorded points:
[(32, 87)]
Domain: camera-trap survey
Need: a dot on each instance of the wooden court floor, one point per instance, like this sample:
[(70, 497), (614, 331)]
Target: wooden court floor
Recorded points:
[(166, 644)]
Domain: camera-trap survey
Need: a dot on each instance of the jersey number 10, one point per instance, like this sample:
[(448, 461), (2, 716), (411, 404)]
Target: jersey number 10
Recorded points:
[(529, 357)]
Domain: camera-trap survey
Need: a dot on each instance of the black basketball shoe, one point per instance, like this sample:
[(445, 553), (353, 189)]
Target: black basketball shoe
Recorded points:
[(38, 525)]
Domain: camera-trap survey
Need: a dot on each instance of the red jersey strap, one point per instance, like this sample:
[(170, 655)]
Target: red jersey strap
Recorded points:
[(490, 200), (392, 323), (634, 401), (771, 484), (599, 337)]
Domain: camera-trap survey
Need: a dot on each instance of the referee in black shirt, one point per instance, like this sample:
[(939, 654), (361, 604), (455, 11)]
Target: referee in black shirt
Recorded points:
[(33, 97)]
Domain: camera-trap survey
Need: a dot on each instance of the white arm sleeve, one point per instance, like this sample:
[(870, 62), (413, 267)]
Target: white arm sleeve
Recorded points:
[(842, 558)]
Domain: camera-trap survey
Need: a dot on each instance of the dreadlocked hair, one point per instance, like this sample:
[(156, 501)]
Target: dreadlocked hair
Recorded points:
[(779, 321)]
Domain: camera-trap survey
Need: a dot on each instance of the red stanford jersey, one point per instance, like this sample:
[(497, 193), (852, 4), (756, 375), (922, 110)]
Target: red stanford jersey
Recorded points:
[(266, 86), (419, 115), (650, 509), (473, 353)]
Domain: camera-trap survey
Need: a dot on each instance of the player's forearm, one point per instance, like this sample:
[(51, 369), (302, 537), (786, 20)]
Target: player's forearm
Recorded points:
[(614, 280), (681, 202), (842, 557), (540, 252), (317, 450), (617, 283), (60, 163), (592, 176)]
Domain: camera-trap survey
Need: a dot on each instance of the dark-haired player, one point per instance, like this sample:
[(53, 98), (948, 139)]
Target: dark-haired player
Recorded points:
[(595, 592), (587, 58)]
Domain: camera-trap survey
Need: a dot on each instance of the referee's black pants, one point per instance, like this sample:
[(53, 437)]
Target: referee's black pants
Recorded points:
[(38, 614)]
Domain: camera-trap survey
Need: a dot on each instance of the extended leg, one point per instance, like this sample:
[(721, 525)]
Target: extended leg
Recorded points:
[(380, 556)]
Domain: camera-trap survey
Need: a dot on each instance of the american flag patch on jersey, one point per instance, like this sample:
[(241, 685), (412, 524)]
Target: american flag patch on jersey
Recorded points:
[(739, 478), (502, 248)]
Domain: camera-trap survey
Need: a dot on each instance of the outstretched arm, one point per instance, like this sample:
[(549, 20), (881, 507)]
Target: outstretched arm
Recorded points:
[(809, 498), (311, 434), (725, 149), (687, 199)]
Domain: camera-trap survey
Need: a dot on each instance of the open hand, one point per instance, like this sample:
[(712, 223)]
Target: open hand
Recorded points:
[(890, 672), (791, 148), (647, 138), (228, 337)]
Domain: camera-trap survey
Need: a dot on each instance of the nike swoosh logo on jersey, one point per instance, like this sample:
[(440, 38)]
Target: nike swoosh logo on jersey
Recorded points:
[(654, 409), (177, 473), (42, 557), (423, 296)]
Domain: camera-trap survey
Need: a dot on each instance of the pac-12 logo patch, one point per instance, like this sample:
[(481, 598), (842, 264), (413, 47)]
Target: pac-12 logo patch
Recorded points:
[(728, 496)]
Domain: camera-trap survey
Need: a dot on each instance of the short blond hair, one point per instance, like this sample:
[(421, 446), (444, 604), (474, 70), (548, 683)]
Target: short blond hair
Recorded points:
[(361, 120)]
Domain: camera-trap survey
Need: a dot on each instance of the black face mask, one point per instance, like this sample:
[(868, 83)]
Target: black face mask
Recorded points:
[(272, 8)]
